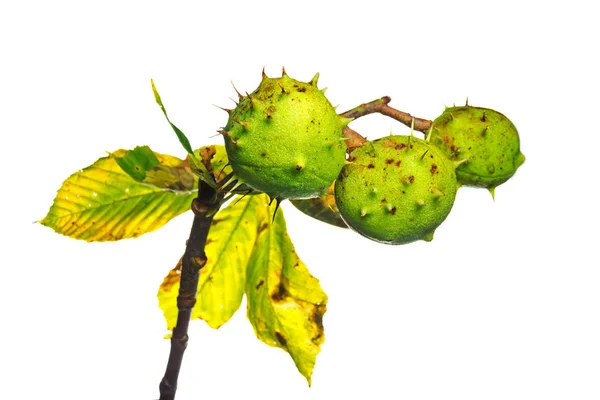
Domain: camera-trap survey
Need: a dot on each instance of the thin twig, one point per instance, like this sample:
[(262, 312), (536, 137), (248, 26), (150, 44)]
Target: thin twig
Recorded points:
[(421, 125), (367, 108), (204, 207), (381, 106)]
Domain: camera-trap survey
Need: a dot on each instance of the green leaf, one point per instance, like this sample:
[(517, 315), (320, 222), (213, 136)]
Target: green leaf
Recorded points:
[(285, 303), (160, 170), (182, 138), (103, 203), (232, 236), (137, 162)]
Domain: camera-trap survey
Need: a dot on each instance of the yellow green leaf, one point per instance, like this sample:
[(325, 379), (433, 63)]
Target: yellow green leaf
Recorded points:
[(246, 250), (228, 249), (285, 303), (103, 203), (180, 135)]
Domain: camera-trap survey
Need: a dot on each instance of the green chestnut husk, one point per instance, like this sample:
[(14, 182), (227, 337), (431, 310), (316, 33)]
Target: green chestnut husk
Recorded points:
[(285, 139), (396, 190), (484, 139)]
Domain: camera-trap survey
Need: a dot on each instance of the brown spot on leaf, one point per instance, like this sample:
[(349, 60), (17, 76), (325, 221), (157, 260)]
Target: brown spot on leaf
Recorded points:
[(411, 179), (433, 169), (398, 163), (370, 166), (259, 284), (317, 339), (393, 211), (263, 227), (390, 161), (280, 294), (317, 316), (282, 341), (302, 90)]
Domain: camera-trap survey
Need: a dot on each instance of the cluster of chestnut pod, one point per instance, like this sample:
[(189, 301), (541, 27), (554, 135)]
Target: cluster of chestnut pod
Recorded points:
[(285, 139)]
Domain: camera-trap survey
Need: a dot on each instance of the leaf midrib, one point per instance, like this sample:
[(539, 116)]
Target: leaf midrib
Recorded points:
[(158, 191), (232, 231)]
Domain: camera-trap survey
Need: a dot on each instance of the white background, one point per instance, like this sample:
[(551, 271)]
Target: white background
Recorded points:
[(503, 304)]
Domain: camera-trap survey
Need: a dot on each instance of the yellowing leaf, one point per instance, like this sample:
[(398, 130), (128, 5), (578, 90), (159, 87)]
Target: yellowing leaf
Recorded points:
[(245, 250), (322, 208), (228, 249), (285, 303), (103, 203)]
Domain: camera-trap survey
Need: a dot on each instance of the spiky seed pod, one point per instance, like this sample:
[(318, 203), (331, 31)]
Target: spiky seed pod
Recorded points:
[(396, 190), (285, 139), (485, 139)]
